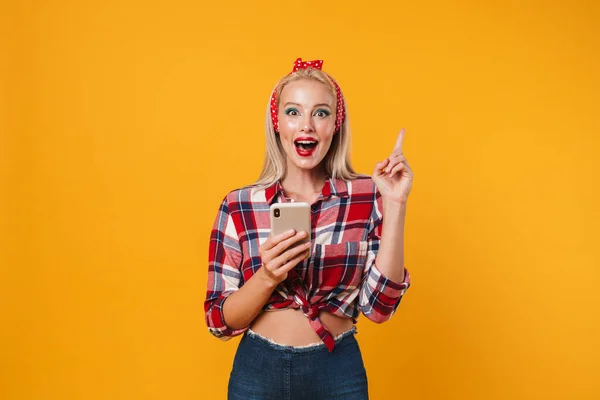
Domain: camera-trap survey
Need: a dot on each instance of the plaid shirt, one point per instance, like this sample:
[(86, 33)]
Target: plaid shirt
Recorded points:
[(340, 276)]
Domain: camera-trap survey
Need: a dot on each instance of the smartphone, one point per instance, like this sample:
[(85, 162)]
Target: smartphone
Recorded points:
[(286, 216)]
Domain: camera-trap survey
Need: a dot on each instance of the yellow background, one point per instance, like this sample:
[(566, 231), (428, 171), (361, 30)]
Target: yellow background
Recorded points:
[(124, 123)]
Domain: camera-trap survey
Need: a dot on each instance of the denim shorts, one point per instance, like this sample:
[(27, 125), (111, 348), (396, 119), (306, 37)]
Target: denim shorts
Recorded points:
[(265, 370)]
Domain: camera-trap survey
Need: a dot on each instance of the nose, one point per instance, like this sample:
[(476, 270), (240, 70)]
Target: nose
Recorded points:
[(307, 123)]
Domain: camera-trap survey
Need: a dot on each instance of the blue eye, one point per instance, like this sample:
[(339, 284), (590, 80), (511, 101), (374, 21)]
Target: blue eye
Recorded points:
[(291, 111), (322, 113)]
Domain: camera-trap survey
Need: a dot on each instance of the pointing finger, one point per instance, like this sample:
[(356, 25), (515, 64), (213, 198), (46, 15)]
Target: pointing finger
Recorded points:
[(399, 140)]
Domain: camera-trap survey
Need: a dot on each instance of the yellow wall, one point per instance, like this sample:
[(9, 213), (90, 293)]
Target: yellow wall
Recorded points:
[(128, 121)]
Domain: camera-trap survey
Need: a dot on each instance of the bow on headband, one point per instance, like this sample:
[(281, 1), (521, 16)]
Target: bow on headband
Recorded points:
[(317, 64), (299, 64)]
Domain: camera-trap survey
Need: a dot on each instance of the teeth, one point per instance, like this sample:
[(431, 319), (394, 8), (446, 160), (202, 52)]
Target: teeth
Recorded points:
[(305, 142)]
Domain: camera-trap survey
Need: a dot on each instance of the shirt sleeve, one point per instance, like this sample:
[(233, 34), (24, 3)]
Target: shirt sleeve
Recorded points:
[(224, 276), (379, 297)]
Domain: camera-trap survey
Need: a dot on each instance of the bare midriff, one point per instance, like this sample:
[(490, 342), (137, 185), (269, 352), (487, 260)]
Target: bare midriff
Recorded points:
[(291, 327)]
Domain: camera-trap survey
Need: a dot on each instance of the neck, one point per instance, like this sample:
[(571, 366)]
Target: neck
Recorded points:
[(303, 184)]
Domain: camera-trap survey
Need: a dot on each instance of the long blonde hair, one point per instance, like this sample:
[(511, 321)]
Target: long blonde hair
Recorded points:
[(337, 161)]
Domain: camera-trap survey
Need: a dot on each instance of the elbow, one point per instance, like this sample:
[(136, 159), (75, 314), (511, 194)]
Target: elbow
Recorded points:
[(215, 320), (221, 334), (219, 329), (377, 317), (378, 308), (379, 297)]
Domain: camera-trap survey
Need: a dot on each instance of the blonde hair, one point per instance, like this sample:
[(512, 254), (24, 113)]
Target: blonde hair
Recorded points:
[(337, 161)]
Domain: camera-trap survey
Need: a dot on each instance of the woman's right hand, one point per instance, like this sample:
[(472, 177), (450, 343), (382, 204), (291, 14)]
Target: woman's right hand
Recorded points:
[(278, 258)]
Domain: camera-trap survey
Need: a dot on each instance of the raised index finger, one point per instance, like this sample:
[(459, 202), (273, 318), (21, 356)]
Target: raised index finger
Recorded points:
[(399, 140)]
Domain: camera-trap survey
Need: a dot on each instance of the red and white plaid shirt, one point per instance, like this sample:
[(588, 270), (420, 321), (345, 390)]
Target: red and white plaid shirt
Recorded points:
[(340, 276)]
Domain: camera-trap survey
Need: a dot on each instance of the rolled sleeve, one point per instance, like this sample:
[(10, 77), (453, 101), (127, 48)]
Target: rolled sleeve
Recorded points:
[(216, 321), (380, 296)]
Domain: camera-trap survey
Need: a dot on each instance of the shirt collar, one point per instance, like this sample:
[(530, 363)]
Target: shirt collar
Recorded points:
[(332, 187)]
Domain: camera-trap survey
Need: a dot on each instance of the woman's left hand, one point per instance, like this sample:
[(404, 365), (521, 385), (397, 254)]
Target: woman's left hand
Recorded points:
[(393, 176)]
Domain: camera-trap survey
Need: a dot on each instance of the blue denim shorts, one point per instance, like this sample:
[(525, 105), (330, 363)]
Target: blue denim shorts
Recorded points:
[(266, 370)]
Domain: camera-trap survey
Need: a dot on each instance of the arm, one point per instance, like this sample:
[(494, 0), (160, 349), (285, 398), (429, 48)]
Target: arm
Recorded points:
[(224, 276), (245, 304), (230, 306), (390, 259), (385, 278)]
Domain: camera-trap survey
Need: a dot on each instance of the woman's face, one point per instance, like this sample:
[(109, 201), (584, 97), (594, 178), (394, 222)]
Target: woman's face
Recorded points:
[(306, 122)]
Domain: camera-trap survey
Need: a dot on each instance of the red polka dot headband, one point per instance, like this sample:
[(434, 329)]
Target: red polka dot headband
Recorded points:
[(318, 64)]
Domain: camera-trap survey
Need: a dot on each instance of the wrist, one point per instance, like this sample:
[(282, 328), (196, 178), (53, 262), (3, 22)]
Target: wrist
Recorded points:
[(394, 206), (265, 280)]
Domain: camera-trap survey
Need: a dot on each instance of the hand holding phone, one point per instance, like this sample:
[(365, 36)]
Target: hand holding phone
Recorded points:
[(289, 242)]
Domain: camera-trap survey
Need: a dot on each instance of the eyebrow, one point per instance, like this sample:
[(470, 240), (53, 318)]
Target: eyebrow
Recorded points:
[(316, 105)]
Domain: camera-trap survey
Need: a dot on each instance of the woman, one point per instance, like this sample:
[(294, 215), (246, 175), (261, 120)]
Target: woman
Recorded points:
[(298, 313)]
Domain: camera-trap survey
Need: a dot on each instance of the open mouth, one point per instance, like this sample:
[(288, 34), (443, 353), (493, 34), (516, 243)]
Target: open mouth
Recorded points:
[(306, 145)]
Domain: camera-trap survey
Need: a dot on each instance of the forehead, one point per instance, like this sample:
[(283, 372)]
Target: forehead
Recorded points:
[(306, 92)]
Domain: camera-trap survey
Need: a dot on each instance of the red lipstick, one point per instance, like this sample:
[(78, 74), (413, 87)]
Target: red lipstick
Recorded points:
[(305, 146)]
